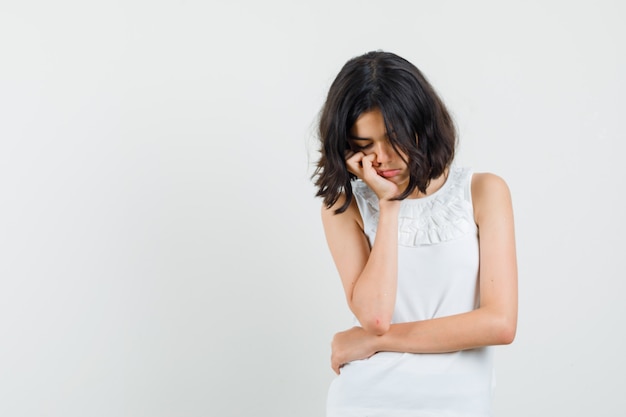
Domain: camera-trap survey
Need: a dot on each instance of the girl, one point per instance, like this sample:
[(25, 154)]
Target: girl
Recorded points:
[(425, 249)]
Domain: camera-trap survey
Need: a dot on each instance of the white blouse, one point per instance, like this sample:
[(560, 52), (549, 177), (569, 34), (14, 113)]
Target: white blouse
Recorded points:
[(437, 276)]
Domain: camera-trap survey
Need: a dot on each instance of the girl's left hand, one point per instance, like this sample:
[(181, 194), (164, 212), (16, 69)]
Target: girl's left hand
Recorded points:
[(351, 345)]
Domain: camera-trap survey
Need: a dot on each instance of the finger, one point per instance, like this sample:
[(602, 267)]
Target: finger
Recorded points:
[(354, 156), (368, 164), (353, 163), (368, 160), (334, 365), (337, 368)]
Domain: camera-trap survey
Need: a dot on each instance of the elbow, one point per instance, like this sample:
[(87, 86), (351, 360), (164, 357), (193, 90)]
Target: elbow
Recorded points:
[(373, 319), (500, 325), (505, 331), (376, 325), (509, 337)]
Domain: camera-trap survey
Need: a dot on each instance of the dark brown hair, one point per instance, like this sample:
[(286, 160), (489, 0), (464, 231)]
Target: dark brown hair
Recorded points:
[(422, 128)]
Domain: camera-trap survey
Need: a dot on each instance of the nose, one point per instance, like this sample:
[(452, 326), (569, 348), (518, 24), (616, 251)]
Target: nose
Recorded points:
[(384, 152)]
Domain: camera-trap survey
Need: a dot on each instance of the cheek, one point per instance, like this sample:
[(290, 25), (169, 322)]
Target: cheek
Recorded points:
[(403, 158)]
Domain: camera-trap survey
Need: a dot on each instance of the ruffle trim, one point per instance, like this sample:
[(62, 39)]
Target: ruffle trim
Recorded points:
[(444, 216)]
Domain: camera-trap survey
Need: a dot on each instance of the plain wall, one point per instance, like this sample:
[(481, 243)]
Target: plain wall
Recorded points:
[(161, 251)]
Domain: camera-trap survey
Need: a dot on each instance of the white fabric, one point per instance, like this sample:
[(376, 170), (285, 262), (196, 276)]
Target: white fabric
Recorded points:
[(437, 276)]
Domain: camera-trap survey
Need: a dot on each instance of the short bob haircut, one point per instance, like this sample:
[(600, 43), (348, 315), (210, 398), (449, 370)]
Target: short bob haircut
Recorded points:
[(419, 123)]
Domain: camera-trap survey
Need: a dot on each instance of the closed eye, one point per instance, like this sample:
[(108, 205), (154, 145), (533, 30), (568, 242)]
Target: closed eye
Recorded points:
[(360, 147)]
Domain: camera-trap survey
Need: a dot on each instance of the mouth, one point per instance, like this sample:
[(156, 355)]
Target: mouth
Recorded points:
[(388, 173)]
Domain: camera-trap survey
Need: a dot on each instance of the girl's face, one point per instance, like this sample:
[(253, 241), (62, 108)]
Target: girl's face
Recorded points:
[(369, 135)]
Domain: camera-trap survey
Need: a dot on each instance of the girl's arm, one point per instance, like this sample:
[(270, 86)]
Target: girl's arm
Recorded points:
[(493, 323), (369, 278)]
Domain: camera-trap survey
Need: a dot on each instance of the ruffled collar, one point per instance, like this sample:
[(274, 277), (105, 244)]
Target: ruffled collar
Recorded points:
[(444, 215)]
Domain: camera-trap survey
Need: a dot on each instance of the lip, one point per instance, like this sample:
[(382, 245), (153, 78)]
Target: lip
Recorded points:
[(388, 173)]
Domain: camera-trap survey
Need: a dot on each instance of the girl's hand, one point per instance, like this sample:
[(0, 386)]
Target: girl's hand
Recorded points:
[(362, 166), (351, 345)]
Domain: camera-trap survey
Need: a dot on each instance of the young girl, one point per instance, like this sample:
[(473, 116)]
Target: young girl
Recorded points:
[(425, 249)]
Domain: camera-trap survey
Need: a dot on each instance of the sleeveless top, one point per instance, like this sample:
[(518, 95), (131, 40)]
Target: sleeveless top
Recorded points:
[(437, 277)]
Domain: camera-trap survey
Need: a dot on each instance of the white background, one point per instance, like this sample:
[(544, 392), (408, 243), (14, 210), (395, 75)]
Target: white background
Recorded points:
[(161, 252)]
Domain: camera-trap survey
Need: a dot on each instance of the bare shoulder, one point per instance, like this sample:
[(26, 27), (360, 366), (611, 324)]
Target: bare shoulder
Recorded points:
[(490, 194), (486, 182), (351, 214)]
